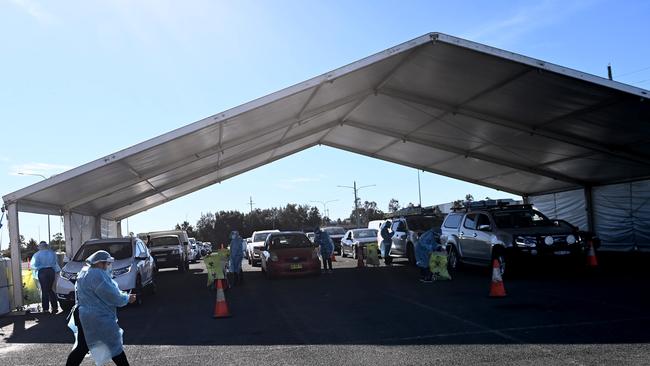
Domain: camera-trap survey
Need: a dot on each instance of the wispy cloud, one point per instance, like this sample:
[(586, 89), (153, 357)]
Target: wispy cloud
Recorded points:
[(4, 159), (36, 11), (44, 169), (293, 183), (524, 20)]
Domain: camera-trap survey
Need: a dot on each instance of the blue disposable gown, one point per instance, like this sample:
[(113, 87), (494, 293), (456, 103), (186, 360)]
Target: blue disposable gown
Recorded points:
[(44, 258), (386, 242), (236, 254), (98, 298), (424, 247), (326, 244)]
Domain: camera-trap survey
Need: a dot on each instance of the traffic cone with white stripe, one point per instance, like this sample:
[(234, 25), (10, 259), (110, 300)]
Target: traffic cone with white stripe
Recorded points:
[(496, 288), (221, 306), (592, 261)]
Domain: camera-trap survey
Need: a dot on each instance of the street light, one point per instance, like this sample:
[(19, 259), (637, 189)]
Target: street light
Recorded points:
[(356, 203), (324, 203), (49, 236)]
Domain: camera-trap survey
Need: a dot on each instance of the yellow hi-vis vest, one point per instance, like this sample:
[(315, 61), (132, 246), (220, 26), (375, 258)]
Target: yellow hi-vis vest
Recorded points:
[(372, 255), (215, 263), (438, 266)]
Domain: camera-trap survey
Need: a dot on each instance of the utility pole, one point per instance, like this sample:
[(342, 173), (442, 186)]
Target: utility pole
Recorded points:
[(49, 236), (356, 199), (250, 202), (609, 71), (419, 190)]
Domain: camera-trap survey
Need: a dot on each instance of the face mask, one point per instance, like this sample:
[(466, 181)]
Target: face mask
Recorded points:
[(109, 270)]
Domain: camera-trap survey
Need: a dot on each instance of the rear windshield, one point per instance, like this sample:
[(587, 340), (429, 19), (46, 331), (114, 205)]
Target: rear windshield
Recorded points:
[(334, 230), (365, 234), (453, 221), (289, 241), (164, 240), (260, 237), (120, 250)]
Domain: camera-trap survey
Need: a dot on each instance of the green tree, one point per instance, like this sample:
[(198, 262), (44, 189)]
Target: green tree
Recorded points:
[(187, 227), (393, 205)]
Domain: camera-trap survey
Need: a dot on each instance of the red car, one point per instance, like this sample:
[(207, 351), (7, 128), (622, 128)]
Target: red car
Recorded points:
[(288, 254)]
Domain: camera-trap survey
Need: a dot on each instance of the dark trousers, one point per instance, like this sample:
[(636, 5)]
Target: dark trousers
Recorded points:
[(327, 262), (46, 280), (425, 274), (78, 353)]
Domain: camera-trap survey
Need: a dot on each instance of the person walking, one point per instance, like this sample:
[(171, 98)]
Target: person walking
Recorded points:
[(44, 269), (236, 256), (94, 316), (322, 239), (423, 248), (386, 242)]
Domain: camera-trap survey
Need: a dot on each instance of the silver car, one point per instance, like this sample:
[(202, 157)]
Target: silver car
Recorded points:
[(133, 269), (357, 238)]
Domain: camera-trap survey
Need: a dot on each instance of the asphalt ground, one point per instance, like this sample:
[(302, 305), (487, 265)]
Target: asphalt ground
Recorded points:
[(552, 315)]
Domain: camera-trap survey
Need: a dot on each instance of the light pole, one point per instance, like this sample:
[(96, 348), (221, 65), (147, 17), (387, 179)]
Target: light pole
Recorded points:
[(356, 200), (324, 203), (49, 236)]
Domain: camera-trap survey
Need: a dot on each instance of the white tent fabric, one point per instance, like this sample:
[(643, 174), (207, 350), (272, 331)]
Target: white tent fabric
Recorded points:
[(569, 206)]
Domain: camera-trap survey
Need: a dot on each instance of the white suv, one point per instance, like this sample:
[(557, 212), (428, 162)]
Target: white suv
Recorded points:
[(255, 247)]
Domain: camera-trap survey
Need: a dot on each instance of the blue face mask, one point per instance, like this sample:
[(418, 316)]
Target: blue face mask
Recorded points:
[(109, 270)]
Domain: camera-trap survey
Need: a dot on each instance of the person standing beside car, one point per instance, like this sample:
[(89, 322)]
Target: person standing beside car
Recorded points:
[(322, 239), (423, 248), (386, 242), (44, 268), (236, 256), (94, 317)]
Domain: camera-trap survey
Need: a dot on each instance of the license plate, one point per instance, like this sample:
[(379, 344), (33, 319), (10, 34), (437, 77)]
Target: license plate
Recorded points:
[(562, 252), (294, 267), (161, 259)]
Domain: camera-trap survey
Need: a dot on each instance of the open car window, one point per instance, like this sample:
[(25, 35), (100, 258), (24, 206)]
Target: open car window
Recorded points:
[(289, 241)]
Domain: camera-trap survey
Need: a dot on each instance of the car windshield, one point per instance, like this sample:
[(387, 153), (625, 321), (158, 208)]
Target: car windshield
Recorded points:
[(289, 241), (520, 219), (361, 234), (260, 237), (119, 250), (334, 230), (163, 240)]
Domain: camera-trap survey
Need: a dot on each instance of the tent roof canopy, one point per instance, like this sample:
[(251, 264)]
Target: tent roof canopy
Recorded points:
[(436, 103)]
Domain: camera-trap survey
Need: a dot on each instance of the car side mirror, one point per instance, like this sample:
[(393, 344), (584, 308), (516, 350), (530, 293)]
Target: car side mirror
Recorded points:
[(484, 228)]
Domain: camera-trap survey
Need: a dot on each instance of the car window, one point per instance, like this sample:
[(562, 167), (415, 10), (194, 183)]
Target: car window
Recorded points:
[(334, 230), (453, 221), (289, 241), (261, 237), (399, 226), (370, 233), (520, 219), (164, 240), (482, 220), (349, 235), (138, 249), (470, 221), (119, 250)]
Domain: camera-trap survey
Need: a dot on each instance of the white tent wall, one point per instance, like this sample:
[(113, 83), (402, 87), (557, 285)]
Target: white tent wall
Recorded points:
[(569, 206), (78, 229), (109, 229), (622, 216)]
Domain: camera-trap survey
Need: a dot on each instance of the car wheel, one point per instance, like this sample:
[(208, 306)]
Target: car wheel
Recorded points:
[(181, 267), (355, 255), (453, 260), (410, 254)]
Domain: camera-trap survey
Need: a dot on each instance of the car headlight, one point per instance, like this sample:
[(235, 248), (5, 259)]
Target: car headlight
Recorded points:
[(70, 276), (549, 240), (175, 251), (121, 271), (571, 239), (526, 241)]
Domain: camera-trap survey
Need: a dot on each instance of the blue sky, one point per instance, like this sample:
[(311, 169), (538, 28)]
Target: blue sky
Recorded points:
[(82, 79)]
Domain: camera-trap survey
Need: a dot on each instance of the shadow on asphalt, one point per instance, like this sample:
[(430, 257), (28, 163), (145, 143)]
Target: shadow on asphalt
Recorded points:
[(384, 306)]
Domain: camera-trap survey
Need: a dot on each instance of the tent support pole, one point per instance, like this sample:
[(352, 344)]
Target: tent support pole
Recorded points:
[(16, 270), (589, 206)]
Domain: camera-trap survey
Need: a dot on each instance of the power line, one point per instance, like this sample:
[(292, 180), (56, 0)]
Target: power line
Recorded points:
[(633, 72)]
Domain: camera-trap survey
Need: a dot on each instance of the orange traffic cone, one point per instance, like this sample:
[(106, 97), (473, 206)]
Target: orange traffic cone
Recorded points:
[(360, 263), (592, 261), (496, 288), (221, 306)]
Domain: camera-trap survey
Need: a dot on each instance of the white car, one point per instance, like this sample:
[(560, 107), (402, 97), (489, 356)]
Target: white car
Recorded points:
[(255, 247), (133, 269), (195, 253)]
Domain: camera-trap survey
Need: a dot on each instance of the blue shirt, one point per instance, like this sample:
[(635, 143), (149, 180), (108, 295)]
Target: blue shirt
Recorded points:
[(44, 258)]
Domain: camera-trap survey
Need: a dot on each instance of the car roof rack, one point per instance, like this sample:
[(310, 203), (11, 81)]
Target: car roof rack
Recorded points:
[(491, 205), (414, 211)]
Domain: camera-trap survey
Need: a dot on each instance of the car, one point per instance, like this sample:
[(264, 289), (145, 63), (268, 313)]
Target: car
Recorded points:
[(202, 251), (254, 248), (248, 241), (169, 251), (288, 254), (357, 238), (133, 269), (195, 251), (407, 230), (311, 236), (488, 230), (336, 234), (208, 247)]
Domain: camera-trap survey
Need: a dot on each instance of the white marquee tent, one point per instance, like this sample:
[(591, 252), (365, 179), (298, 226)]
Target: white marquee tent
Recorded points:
[(575, 144)]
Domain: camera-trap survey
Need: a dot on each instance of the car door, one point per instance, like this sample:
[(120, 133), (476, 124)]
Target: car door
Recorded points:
[(467, 237), (483, 238), (346, 242), (144, 265), (399, 237)]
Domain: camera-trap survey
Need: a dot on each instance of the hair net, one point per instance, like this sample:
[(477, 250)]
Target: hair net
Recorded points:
[(42, 244), (100, 256)]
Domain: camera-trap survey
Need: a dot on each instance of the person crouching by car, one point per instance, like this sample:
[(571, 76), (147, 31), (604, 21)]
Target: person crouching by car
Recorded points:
[(423, 249)]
